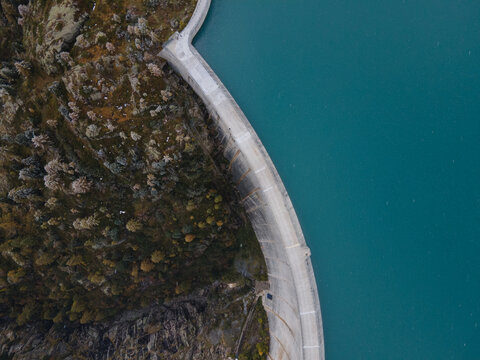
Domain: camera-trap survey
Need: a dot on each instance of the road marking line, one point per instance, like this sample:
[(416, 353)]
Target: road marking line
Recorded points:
[(307, 312), (268, 189), (292, 246), (311, 346), (244, 137), (267, 241), (260, 170)]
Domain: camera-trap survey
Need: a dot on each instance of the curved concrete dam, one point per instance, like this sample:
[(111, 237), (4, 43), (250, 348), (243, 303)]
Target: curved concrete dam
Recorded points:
[(292, 303)]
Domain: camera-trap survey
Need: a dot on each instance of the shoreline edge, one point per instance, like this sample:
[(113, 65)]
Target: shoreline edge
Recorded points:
[(292, 303)]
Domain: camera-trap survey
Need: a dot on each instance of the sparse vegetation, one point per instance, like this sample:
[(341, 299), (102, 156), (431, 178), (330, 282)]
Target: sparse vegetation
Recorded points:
[(113, 193)]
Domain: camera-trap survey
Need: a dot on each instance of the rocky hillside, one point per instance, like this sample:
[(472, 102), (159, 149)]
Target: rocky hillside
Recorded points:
[(120, 233)]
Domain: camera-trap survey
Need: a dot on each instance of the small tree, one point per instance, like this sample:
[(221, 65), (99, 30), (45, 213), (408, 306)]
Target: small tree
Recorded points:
[(146, 265), (157, 256), (134, 225)]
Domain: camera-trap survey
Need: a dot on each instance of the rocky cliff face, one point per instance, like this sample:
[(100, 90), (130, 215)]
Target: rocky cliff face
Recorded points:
[(197, 326), (115, 207)]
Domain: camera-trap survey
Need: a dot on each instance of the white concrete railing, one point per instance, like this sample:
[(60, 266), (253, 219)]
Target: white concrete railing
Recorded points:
[(292, 303)]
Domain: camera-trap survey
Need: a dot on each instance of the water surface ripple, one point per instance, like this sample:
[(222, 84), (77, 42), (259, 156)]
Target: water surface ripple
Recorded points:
[(370, 111)]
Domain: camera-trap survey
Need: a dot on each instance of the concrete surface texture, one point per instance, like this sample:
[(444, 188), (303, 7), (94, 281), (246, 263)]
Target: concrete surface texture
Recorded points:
[(292, 302)]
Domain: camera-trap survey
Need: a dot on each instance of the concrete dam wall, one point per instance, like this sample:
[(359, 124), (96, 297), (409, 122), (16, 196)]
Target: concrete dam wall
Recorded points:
[(292, 303)]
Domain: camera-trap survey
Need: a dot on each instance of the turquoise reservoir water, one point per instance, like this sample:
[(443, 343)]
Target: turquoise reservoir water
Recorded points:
[(371, 113)]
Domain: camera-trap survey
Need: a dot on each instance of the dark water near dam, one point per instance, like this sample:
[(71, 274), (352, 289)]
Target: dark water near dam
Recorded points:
[(370, 111)]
